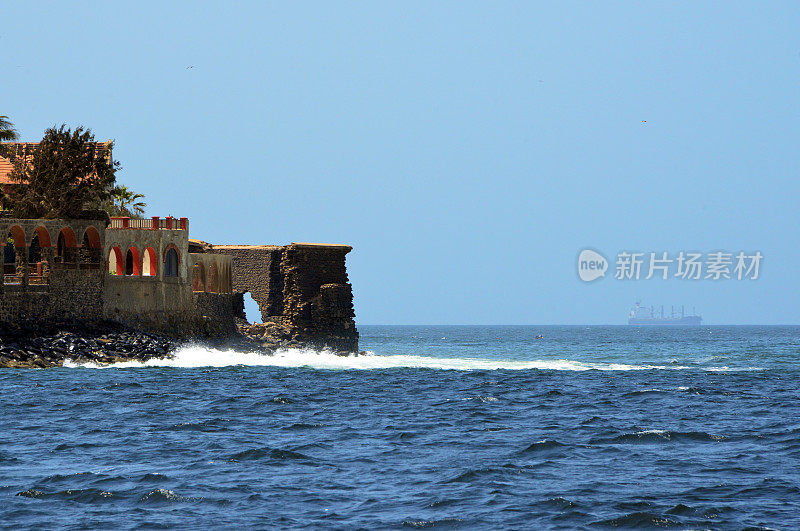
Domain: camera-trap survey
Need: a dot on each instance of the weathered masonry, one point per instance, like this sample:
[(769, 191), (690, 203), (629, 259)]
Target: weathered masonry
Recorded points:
[(131, 272), (301, 287), (149, 283), (140, 272), (52, 269)]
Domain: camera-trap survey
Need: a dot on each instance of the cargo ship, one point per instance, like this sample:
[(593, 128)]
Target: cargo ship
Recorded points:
[(644, 315)]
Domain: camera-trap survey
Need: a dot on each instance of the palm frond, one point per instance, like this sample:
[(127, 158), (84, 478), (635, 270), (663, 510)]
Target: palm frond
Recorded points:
[(7, 131)]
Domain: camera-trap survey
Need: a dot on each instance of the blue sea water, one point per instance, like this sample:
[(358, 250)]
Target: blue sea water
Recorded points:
[(459, 427)]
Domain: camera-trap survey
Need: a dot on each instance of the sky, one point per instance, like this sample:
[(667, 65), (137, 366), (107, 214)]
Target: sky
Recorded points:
[(468, 151)]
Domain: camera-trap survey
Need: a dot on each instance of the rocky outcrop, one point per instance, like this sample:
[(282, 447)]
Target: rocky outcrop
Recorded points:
[(39, 346)]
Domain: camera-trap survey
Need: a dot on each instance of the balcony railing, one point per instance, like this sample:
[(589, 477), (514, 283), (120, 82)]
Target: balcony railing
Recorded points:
[(154, 223)]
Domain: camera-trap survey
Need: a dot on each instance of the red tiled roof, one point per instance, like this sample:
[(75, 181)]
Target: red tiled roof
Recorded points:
[(27, 147)]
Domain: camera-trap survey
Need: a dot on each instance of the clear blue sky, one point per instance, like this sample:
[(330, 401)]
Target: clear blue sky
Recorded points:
[(467, 151)]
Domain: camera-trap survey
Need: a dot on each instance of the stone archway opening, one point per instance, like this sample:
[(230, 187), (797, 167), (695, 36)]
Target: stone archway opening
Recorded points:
[(65, 245), (35, 250), (15, 242), (251, 310), (14, 256), (116, 265), (149, 263), (132, 263)]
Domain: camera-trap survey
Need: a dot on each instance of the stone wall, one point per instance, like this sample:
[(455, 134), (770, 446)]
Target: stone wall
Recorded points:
[(79, 298), (167, 304), (64, 282), (67, 270), (76, 294), (318, 297), (302, 287), (169, 307), (257, 269)]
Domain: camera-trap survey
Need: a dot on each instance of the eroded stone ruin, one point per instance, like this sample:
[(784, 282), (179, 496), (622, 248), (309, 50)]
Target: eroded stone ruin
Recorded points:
[(302, 290)]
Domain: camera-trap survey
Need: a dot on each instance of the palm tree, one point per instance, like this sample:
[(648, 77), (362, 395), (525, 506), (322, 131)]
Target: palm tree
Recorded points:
[(126, 202), (7, 131)]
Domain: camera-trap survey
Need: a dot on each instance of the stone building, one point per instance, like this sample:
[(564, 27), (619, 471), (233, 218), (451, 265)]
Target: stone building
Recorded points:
[(135, 272), (144, 273)]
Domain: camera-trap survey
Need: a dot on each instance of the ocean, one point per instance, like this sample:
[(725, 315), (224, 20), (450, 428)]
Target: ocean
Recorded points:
[(437, 426)]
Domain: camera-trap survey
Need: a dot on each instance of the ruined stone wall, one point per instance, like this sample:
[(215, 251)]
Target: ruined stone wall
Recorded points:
[(257, 269), (301, 287), (214, 314), (318, 297)]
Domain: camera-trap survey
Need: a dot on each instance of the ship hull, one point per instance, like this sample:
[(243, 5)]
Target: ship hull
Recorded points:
[(680, 321)]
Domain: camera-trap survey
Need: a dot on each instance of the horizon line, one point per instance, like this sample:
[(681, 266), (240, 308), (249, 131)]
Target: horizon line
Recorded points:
[(583, 324)]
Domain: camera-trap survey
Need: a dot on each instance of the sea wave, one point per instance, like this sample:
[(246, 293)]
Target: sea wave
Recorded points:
[(201, 356)]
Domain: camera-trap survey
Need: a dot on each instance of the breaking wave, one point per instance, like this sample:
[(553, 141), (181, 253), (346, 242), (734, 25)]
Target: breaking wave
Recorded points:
[(200, 356)]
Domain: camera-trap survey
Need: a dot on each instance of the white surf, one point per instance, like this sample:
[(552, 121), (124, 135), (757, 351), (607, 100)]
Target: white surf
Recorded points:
[(200, 356)]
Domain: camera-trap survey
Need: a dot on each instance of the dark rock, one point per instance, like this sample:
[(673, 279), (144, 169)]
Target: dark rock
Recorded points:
[(48, 346)]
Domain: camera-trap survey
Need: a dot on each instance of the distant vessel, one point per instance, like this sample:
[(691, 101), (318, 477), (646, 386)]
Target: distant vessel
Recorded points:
[(644, 315)]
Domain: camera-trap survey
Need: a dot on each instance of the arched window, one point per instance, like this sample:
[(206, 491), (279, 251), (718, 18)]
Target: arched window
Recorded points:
[(115, 263), (132, 262), (91, 238), (44, 237), (66, 240), (34, 250), (91, 246), (149, 263), (15, 241), (198, 277), (171, 263)]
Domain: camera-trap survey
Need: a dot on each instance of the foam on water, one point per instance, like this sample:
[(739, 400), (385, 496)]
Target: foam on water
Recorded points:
[(200, 356), (608, 433)]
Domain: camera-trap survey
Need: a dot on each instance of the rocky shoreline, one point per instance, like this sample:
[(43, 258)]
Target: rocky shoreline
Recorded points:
[(40, 346), (50, 345)]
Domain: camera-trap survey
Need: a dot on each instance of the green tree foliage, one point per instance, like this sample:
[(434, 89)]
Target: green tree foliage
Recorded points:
[(64, 176), (124, 202)]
